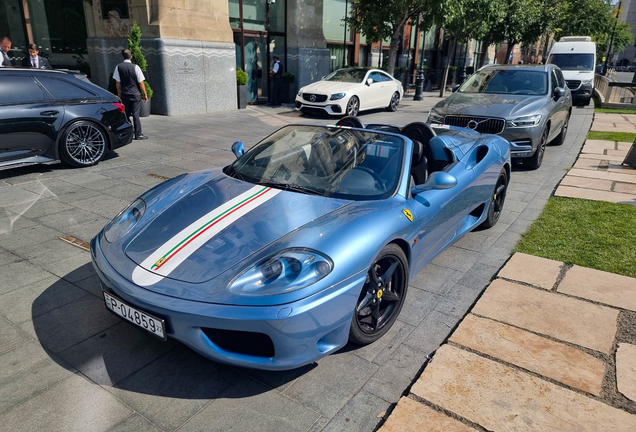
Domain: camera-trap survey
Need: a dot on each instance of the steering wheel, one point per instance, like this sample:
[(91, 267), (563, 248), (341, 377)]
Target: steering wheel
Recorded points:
[(375, 175)]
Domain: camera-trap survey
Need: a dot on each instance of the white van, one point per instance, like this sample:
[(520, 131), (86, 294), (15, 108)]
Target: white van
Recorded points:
[(576, 57)]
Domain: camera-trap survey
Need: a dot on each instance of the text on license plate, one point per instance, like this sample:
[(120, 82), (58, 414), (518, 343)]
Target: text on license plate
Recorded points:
[(154, 325)]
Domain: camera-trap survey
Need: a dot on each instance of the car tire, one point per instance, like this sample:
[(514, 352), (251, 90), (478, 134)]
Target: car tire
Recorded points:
[(382, 296), (353, 106), (497, 200), (534, 161), (394, 102), (83, 144), (560, 139)]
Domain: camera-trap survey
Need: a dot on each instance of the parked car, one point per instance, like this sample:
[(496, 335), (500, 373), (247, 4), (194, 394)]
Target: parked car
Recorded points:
[(528, 105), (349, 91), (48, 115), (305, 242), (576, 57)]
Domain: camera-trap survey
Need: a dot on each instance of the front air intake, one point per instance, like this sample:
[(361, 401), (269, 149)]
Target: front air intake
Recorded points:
[(241, 342)]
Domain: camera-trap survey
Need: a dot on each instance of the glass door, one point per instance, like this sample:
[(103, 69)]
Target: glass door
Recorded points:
[(256, 68)]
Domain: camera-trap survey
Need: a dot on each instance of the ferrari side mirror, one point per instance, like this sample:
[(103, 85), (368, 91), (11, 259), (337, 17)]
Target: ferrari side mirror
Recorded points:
[(439, 180), (369, 81), (238, 149)]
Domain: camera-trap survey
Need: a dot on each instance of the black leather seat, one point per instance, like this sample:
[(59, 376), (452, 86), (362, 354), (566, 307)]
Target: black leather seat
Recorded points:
[(349, 121), (419, 164)]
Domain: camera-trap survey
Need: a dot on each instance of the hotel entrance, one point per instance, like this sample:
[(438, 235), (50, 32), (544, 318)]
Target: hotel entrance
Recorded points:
[(259, 35)]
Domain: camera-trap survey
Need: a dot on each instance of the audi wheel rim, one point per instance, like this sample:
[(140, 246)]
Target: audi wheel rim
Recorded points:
[(85, 144)]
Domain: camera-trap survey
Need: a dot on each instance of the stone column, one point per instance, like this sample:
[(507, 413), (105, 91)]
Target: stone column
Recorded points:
[(307, 54), (189, 48)]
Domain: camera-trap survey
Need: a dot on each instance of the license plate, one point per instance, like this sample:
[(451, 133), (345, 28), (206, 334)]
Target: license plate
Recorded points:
[(154, 325)]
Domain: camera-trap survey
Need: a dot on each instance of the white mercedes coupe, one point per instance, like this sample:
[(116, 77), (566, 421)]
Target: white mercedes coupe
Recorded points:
[(349, 91)]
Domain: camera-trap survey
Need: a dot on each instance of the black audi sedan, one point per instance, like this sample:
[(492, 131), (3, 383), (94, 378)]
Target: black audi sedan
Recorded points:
[(48, 115)]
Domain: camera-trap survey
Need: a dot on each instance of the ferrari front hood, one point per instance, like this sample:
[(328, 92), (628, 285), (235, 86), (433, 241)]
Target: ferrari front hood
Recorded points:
[(216, 226)]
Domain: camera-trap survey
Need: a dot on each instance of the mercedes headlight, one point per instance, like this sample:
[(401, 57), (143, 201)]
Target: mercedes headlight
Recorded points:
[(337, 96), (587, 81), (300, 92), (527, 121), (121, 224), (286, 271), (435, 117)]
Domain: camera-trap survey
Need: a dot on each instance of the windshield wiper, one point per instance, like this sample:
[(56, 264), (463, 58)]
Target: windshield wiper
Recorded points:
[(232, 172), (291, 187)]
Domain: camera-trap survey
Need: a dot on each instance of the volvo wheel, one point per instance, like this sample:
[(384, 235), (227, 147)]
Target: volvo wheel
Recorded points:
[(382, 296), (83, 144), (560, 139), (534, 161)]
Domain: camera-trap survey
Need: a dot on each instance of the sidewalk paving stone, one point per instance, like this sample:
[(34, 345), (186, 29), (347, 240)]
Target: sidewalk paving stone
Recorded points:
[(626, 370), (501, 398), (411, 416), (603, 287), (587, 183), (360, 414), (564, 318), (626, 188), (595, 195), (602, 175), (134, 423), (532, 352), (532, 270), (74, 404), (11, 337)]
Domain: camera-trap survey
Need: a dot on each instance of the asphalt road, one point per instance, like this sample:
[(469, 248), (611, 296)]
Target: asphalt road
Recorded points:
[(67, 364)]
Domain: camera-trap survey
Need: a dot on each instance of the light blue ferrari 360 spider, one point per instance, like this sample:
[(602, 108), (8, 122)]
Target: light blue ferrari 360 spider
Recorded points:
[(307, 241)]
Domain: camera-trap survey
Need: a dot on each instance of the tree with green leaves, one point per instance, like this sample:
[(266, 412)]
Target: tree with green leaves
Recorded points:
[(379, 20)]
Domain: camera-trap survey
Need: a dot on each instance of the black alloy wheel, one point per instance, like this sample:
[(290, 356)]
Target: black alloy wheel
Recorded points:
[(382, 296), (497, 200), (560, 139), (353, 106), (393, 104), (83, 144), (534, 161)]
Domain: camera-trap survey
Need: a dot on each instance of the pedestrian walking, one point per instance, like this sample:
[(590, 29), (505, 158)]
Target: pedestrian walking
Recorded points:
[(5, 46), (34, 60), (131, 89), (277, 78)]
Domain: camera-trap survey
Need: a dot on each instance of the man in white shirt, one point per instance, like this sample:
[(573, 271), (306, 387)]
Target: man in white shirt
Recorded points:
[(131, 89), (277, 78), (5, 46)]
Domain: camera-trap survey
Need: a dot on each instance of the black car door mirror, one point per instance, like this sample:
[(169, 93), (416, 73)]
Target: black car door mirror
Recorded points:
[(559, 92), (439, 180), (456, 87), (238, 149)]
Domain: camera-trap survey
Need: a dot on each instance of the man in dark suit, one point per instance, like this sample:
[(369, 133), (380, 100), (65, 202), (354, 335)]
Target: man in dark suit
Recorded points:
[(277, 81), (5, 46), (34, 60), (131, 89)]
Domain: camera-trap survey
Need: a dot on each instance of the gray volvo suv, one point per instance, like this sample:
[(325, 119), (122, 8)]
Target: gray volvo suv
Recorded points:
[(529, 105)]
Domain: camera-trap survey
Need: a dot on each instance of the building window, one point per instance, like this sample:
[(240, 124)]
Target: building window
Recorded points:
[(119, 6), (333, 11), (336, 52)]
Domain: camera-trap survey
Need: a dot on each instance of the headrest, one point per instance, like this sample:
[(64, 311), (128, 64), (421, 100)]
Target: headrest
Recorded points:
[(349, 121), (418, 151), (418, 131)]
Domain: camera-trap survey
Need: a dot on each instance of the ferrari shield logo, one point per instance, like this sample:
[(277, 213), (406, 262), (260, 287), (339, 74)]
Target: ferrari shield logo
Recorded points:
[(158, 263), (408, 214)]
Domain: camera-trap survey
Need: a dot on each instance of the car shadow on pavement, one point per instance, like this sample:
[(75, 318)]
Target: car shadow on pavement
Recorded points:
[(58, 166), (76, 330)]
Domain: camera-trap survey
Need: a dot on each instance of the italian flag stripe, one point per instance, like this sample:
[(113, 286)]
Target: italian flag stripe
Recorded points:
[(183, 243)]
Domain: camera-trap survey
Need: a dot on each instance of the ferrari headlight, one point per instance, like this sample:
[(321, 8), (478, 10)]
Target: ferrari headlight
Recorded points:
[(435, 117), (286, 271), (121, 224), (527, 121), (337, 96)]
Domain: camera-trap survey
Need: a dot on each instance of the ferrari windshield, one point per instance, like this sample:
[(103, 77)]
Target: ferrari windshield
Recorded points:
[(507, 81), (347, 75), (327, 161)]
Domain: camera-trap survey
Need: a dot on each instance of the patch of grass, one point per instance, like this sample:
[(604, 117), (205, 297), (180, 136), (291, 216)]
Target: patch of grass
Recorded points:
[(612, 136), (594, 234)]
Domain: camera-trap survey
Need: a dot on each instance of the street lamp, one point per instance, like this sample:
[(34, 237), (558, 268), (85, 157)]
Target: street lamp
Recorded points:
[(344, 42), (609, 49), (421, 77)]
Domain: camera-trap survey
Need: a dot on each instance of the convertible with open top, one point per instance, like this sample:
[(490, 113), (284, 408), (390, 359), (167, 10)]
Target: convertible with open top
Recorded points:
[(306, 242)]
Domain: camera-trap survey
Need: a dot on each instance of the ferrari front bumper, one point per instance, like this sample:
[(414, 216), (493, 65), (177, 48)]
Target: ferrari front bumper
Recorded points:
[(301, 332)]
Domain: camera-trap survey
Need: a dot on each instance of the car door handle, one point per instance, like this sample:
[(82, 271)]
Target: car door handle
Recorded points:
[(49, 113)]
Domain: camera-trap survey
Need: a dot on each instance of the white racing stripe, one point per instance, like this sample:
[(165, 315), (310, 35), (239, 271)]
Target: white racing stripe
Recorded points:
[(171, 254)]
